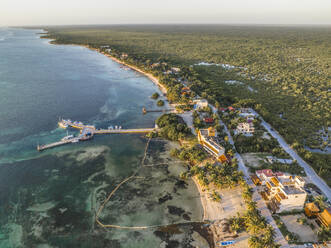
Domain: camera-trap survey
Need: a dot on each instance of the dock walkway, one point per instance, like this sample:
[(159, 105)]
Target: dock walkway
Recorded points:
[(87, 132)]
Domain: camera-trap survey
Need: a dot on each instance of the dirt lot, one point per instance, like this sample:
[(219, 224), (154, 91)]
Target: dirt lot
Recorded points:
[(253, 159), (305, 232)]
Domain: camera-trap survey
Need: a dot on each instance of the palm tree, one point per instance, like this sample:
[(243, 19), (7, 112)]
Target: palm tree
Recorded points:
[(251, 206), (255, 242), (268, 236), (320, 200)]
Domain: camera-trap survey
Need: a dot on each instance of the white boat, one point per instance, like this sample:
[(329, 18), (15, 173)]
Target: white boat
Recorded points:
[(68, 137)]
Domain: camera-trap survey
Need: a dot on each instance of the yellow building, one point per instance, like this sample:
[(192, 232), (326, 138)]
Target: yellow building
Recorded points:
[(207, 138), (325, 217), (311, 210)]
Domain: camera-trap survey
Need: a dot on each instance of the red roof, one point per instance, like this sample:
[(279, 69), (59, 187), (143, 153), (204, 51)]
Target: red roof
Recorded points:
[(231, 108), (279, 174), (222, 109), (267, 172), (209, 120)]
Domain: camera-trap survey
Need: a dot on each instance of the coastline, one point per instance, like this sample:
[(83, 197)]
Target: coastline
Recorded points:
[(149, 75), (205, 201), (202, 198)]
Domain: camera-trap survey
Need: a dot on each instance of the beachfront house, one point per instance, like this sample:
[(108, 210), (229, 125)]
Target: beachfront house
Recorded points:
[(284, 192), (200, 104), (245, 128), (207, 138)]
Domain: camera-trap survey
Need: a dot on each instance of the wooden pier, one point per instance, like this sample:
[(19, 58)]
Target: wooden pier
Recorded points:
[(87, 132), (59, 143), (145, 111)]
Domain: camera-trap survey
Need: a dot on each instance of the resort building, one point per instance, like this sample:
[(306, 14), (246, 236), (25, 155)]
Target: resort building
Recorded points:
[(311, 210), (325, 217), (245, 128), (207, 138), (285, 192), (200, 103)]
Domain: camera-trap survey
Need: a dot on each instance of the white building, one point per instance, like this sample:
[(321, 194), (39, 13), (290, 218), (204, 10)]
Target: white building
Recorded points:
[(285, 192), (245, 128), (200, 103), (175, 69)]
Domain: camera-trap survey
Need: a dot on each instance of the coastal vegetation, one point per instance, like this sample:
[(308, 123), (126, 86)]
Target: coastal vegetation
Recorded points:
[(245, 144), (282, 72), (223, 175), (172, 127), (155, 96), (160, 103), (193, 154)]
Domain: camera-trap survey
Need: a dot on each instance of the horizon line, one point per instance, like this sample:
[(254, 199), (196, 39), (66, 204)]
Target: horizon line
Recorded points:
[(173, 24)]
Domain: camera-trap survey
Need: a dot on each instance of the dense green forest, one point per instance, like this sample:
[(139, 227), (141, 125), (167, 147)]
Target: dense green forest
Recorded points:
[(283, 72)]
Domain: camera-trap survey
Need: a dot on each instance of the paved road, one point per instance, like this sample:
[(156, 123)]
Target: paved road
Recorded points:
[(279, 238), (311, 174)]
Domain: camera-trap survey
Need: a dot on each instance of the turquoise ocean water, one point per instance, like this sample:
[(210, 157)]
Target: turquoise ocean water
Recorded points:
[(49, 199)]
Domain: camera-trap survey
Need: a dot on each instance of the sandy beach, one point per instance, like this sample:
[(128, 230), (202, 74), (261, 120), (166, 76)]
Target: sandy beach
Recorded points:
[(149, 75)]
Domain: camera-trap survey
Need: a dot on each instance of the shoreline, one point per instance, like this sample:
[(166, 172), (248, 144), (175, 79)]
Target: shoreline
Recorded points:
[(148, 75), (203, 199)]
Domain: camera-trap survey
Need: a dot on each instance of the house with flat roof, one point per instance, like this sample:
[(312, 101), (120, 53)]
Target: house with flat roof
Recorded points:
[(207, 138), (200, 103), (175, 69), (285, 192), (246, 128)]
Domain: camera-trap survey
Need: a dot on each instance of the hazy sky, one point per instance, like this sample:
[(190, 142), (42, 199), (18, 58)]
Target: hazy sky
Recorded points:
[(58, 12)]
